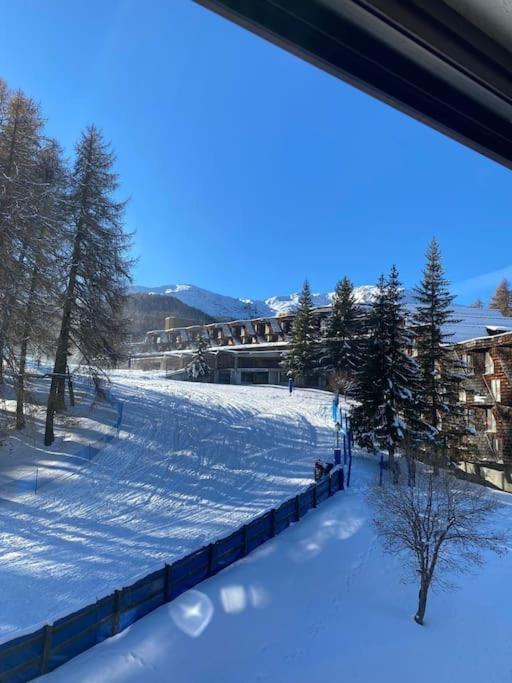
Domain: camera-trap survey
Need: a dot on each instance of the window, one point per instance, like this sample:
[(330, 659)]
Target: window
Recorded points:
[(467, 360), (462, 395), (490, 421), (489, 364), (496, 389)]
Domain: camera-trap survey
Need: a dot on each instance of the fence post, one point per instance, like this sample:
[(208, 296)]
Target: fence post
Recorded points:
[(167, 582), (245, 542), (330, 485), (297, 507), (273, 515), (116, 613), (341, 479), (210, 559), (47, 644), (315, 503)]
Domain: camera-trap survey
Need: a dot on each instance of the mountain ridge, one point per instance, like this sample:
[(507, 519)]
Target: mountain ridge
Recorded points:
[(224, 306)]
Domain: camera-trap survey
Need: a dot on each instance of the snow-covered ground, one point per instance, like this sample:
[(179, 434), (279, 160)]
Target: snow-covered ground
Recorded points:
[(24, 460), (320, 603), (192, 463)]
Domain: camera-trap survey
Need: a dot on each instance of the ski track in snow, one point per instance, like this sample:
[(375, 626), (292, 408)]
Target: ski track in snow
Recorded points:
[(192, 463)]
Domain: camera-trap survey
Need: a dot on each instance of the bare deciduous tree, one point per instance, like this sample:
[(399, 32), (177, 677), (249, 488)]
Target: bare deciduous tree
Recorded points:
[(441, 526)]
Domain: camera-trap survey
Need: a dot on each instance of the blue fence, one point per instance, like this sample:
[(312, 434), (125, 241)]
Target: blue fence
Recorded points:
[(29, 656)]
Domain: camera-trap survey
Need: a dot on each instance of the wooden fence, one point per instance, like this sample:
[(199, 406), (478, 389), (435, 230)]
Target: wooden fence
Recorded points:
[(29, 656)]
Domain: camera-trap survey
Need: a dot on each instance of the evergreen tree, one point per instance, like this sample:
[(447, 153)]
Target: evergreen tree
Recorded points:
[(477, 303), (440, 369), (35, 320), (300, 358), (339, 348), (502, 298), (20, 142), (389, 412), (198, 369), (97, 272)]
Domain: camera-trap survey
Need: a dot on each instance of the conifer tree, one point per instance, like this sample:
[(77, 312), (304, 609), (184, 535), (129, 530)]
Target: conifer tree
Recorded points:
[(35, 319), (502, 298), (389, 412), (440, 369), (339, 346), (477, 303), (20, 142), (300, 358), (97, 272), (198, 369)]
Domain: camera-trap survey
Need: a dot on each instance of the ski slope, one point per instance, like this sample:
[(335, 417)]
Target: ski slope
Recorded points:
[(192, 463), (319, 603)]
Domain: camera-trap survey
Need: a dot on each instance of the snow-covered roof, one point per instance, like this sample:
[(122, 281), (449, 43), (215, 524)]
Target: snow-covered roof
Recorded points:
[(473, 322)]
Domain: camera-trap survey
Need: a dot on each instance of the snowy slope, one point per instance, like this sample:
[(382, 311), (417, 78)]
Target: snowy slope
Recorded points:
[(192, 463), (319, 603)]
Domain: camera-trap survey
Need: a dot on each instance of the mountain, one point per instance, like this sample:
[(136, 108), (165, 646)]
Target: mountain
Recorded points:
[(220, 306), (146, 312), (470, 322)]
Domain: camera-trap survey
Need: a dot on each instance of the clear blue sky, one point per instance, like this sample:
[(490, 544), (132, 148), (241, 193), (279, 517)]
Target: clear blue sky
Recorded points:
[(247, 168)]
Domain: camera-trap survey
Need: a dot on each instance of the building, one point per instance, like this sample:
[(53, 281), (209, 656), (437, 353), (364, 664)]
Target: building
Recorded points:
[(486, 392), (240, 351)]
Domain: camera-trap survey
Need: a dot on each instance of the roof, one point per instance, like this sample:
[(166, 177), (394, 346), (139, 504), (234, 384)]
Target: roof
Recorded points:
[(446, 63), (485, 342)]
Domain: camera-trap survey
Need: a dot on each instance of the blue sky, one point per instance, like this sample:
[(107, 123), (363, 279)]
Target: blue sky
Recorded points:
[(248, 169)]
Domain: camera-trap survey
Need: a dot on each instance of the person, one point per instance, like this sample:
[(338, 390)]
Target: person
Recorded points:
[(290, 385), (319, 470)]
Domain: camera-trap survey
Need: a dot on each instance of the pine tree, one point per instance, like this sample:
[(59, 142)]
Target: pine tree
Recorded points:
[(339, 347), (300, 358), (502, 298), (198, 369), (20, 142), (440, 370), (97, 272), (35, 320), (477, 303), (389, 412)]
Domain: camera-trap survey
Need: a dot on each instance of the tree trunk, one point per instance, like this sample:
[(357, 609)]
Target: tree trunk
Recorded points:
[(411, 470), (422, 601), (20, 384), (393, 465), (49, 436)]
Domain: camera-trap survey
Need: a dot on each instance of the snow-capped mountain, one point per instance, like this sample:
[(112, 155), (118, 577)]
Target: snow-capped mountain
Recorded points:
[(222, 306), (472, 322)]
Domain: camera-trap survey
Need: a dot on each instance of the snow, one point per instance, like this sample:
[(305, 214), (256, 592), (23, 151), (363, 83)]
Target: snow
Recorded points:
[(222, 306), (192, 463), (321, 602), (473, 322), (24, 458)]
